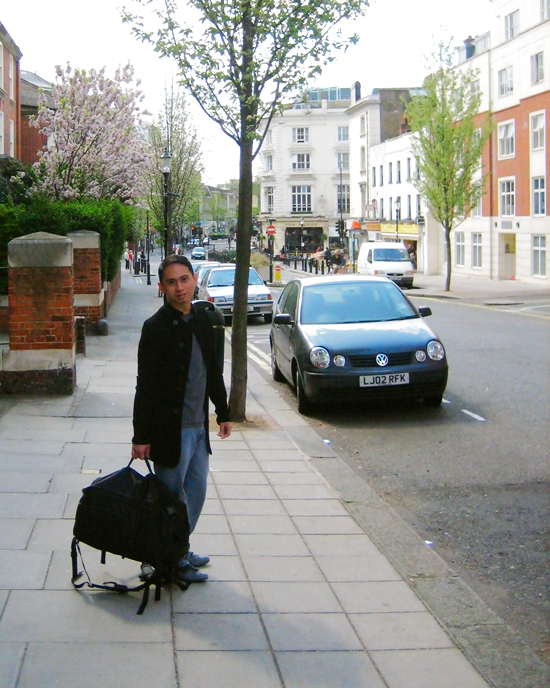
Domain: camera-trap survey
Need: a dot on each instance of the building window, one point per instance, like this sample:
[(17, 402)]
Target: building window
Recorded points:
[(537, 132), (269, 199), (381, 208), (417, 169), (381, 175), (506, 81), (11, 79), (390, 173), (409, 207), (343, 198), (300, 161), (539, 196), (544, 10), (508, 198), (476, 250), (343, 133), (363, 159), (301, 199), (398, 172), (539, 256), (390, 206), (269, 162), (476, 209), (511, 25), (374, 176), (2, 68), (300, 134), (459, 248), (476, 87), (1, 127), (537, 68), (506, 140), (343, 161), (408, 169), (12, 138), (361, 126), (418, 206)]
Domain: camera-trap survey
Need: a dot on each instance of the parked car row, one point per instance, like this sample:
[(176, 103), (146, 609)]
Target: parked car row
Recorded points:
[(216, 284)]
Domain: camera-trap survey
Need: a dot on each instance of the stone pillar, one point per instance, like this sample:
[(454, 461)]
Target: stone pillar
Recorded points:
[(88, 288), (42, 356)]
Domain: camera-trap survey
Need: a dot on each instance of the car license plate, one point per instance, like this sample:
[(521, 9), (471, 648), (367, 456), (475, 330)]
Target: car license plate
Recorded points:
[(251, 309), (384, 380)]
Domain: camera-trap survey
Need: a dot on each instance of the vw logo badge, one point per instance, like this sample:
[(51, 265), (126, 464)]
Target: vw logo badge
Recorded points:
[(382, 360)]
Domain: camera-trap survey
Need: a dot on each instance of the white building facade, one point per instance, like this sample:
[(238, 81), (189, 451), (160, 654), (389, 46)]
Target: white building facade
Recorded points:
[(304, 171)]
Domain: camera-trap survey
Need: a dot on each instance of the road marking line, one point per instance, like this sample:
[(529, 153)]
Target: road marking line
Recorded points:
[(474, 415), (258, 351), (263, 365)]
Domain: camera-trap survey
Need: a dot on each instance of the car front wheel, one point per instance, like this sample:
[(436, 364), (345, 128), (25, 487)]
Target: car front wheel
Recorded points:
[(433, 400), (304, 404), (275, 370)]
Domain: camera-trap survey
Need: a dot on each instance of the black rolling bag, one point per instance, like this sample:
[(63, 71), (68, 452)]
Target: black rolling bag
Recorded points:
[(136, 517)]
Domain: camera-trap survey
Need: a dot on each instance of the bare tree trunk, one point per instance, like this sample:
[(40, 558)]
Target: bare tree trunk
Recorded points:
[(448, 257), (239, 346)]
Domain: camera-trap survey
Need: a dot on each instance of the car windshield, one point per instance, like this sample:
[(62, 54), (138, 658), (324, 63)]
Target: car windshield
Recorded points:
[(354, 302), (394, 255), (226, 278)]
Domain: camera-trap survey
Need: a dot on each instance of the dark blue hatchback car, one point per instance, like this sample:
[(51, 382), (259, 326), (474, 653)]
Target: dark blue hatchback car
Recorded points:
[(353, 337)]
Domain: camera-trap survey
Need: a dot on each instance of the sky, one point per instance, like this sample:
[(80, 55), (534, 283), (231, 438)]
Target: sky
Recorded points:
[(395, 35)]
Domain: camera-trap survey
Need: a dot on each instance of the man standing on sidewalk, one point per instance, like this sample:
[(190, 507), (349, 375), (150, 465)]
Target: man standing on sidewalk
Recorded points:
[(178, 372)]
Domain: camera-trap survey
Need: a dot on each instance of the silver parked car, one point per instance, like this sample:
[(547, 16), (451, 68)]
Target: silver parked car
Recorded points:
[(217, 286)]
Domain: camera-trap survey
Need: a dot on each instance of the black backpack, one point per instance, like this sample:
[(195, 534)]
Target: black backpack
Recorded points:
[(136, 517)]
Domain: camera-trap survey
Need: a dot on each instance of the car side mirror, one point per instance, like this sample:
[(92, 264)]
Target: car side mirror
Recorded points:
[(425, 311), (283, 319)]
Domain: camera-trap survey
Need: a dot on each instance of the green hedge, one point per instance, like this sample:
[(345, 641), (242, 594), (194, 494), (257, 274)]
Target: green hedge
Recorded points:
[(111, 219)]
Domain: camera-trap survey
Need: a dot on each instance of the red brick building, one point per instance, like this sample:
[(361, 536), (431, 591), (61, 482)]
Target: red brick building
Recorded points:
[(32, 141), (10, 122)]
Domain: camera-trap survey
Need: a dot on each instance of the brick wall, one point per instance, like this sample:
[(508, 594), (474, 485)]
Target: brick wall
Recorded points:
[(112, 288), (32, 141), (41, 308)]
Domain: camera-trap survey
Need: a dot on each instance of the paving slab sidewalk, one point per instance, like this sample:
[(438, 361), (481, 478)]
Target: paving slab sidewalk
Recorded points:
[(299, 594)]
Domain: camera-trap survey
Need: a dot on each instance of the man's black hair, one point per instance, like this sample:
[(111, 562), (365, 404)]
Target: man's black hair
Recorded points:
[(174, 259)]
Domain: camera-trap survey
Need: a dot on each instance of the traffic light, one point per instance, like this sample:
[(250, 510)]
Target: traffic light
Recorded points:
[(340, 226)]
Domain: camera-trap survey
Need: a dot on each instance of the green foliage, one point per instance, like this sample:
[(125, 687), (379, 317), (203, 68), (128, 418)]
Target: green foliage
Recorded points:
[(110, 218), (448, 143), (16, 180)]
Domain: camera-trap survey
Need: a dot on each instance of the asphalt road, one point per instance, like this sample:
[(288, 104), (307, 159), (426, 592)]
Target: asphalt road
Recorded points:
[(472, 477)]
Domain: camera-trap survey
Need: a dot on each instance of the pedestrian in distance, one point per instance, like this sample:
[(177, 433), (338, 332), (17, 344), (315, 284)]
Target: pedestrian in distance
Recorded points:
[(130, 259), (328, 259), (178, 372), (127, 259)]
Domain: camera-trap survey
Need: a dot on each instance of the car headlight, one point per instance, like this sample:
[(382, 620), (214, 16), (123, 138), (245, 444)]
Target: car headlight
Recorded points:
[(219, 299), (435, 350), (420, 355), (319, 357), (379, 272), (409, 272), (339, 360)]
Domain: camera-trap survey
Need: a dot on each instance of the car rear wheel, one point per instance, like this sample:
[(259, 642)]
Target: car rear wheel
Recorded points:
[(304, 404), (433, 400), (275, 370)]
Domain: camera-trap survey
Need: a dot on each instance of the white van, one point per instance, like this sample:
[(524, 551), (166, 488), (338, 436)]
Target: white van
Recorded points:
[(389, 258)]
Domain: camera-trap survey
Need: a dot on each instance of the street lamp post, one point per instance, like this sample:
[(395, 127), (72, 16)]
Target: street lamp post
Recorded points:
[(165, 164), (397, 213), (340, 189), (148, 249)]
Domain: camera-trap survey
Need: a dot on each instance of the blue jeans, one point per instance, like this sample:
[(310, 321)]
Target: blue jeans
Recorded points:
[(188, 479)]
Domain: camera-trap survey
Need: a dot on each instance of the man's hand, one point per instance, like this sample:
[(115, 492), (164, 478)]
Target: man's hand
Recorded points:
[(225, 430), (141, 451)]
